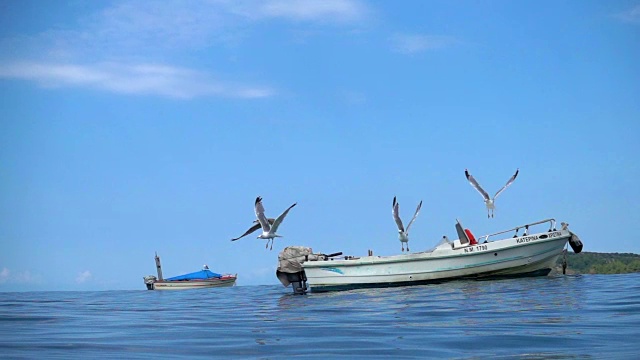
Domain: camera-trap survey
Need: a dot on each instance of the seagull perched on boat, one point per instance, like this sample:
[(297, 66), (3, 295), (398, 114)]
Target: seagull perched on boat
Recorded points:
[(487, 200), (403, 234), (256, 226), (268, 230)]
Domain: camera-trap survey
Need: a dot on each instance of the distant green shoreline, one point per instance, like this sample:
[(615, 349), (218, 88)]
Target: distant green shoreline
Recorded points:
[(600, 263)]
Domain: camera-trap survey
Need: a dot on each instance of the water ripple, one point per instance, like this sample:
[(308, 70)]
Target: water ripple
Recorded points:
[(563, 317)]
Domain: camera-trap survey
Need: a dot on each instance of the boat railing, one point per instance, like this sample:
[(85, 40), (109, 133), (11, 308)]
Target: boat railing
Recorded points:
[(552, 227)]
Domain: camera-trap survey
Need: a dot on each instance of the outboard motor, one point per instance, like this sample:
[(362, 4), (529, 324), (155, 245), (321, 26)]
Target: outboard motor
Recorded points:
[(290, 267), (149, 280), (297, 280)]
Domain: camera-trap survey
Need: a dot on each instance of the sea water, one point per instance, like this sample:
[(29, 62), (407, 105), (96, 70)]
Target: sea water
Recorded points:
[(558, 317)]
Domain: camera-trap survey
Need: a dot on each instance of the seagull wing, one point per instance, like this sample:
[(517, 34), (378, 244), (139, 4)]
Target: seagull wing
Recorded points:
[(251, 229), (396, 214), (513, 178), (414, 215), (279, 219), (260, 215), (477, 186), (256, 226)]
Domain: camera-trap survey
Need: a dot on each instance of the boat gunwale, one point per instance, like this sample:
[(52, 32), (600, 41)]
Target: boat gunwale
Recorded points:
[(428, 255), (492, 274), (189, 284), (228, 278), (228, 281), (321, 288), (462, 267)]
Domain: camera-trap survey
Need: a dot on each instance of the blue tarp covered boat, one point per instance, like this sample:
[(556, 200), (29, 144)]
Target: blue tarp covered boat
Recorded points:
[(204, 278), (198, 275)]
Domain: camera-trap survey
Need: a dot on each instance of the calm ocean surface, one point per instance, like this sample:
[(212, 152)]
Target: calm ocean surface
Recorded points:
[(574, 317)]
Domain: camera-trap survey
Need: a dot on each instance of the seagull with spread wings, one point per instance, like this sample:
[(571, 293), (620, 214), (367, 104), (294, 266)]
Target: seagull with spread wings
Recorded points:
[(269, 230), (489, 202), (403, 234), (256, 225)]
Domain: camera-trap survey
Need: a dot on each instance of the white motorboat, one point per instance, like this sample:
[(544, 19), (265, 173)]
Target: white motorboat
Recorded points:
[(204, 278), (527, 254)]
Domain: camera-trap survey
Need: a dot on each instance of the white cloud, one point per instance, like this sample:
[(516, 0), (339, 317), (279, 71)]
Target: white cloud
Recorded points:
[(142, 79), (4, 275), (25, 277), (631, 15), (315, 10), (83, 277), (110, 49), (411, 44), (165, 24), (162, 28)]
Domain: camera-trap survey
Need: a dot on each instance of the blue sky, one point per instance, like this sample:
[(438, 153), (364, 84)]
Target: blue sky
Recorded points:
[(130, 127)]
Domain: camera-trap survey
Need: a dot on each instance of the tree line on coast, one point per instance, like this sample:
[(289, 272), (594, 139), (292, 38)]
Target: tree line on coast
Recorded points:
[(600, 263)]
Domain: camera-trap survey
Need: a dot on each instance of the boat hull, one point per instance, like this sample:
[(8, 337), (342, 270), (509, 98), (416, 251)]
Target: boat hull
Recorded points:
[(227, 281), (532, 255)]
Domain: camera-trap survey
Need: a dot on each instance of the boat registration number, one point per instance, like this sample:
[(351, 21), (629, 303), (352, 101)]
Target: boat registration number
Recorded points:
[(475, 248)]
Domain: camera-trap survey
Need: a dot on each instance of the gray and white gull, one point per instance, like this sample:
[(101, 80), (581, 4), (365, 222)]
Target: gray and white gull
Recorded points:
[(489, 202), (256, 225), (269, 230), (403, 234)]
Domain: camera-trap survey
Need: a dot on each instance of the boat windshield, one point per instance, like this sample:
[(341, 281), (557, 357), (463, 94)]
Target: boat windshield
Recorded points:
[(444, 241)]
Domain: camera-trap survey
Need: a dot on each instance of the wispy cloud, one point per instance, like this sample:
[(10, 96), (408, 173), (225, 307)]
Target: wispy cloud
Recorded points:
[(143, 79), (83, 277), (137, 26), (314, 10), (4, 275), (416, 43), (196, 22), (130, 46), (632, 15), (24, 277), (155, 28)]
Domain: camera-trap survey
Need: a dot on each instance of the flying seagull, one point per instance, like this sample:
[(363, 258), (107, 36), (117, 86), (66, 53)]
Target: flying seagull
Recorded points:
[(268, 230), (256, 225), (487, 200), (403, 234)]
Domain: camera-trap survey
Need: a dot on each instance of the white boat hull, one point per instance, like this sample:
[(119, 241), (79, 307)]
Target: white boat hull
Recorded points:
[(194, 284), (532, 255)]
